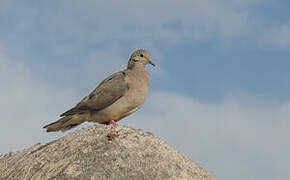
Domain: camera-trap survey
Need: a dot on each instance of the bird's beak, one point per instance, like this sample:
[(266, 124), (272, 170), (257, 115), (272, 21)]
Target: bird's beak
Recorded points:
[(150, 62)]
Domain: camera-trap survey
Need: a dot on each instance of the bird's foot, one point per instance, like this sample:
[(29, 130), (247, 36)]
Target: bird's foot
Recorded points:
[(112, 122)]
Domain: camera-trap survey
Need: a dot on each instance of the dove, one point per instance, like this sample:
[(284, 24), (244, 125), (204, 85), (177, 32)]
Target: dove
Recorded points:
[(116, 97)]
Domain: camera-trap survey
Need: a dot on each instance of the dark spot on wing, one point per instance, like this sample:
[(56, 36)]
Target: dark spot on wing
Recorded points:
[(91, 95), (110, 78)]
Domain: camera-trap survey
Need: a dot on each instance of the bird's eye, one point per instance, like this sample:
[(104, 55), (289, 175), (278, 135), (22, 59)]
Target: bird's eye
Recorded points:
[(141, 55)]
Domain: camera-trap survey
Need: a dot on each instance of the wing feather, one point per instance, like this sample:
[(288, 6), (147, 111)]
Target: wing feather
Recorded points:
[(109, 91)]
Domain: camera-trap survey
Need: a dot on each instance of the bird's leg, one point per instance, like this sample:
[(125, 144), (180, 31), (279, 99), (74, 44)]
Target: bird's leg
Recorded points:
[(112, 122)]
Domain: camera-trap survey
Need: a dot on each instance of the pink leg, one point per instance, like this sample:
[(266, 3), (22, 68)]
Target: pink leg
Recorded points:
[(112, 122)]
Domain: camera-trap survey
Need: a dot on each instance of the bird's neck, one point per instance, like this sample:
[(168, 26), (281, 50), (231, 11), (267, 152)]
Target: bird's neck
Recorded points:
[(135, 66), (138, 70)]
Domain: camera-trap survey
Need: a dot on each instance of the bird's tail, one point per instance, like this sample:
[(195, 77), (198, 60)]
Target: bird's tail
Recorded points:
[(64, 123)]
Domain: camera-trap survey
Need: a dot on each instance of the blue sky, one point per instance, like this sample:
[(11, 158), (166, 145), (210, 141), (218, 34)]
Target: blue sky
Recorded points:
[(219, 93)]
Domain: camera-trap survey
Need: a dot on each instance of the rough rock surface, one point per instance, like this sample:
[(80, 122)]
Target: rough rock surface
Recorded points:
[(102, 152)]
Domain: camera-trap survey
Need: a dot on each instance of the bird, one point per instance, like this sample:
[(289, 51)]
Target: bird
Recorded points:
[(116, 97)]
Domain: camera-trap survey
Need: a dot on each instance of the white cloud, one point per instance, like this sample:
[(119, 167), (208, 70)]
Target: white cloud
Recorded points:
[(237, 138), (152, 22), (69, 25), (156, 20), (27, 103)]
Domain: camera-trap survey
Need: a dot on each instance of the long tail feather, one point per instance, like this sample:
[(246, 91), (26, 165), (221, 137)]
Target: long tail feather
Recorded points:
[(63, 124)]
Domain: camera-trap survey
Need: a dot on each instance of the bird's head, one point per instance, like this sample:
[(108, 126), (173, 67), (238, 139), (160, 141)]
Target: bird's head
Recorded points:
[(140, 57)]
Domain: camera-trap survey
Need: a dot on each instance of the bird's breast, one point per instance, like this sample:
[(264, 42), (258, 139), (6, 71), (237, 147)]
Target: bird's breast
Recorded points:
[(138, 85), (132, 100)]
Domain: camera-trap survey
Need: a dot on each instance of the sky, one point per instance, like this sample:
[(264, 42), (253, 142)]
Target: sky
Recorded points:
[(219, 92)]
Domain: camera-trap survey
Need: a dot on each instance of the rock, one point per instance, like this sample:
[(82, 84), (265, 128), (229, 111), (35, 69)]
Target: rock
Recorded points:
[(102, 152)]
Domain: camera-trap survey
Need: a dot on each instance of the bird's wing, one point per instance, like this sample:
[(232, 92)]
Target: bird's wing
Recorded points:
[(109, 90)]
